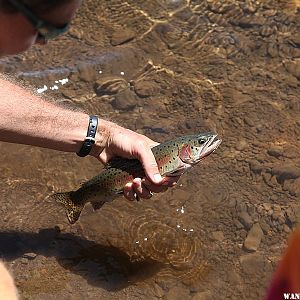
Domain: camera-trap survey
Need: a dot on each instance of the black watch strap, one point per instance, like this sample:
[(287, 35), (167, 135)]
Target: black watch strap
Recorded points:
[(90, 137)]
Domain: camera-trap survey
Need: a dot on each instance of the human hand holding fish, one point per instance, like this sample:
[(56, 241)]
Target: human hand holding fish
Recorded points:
[(173, 158), (117, 141)]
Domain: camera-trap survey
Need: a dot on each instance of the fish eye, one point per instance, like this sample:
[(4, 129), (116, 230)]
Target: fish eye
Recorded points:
[(201, 141)]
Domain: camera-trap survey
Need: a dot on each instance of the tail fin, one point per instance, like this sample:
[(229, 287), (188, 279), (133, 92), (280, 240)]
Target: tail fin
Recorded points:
[(73, 209)]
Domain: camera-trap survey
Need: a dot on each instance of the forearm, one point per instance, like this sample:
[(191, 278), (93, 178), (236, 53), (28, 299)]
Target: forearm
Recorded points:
[(26, 118)]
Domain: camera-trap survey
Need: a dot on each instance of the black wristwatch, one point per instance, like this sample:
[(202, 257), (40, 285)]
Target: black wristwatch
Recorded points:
[(90, 137)]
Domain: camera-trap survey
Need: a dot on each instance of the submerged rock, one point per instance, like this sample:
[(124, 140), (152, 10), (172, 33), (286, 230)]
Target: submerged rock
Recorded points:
[(253, 238)]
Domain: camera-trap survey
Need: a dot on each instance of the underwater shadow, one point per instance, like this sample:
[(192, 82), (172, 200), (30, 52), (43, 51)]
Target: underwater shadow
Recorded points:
[(102, 266)]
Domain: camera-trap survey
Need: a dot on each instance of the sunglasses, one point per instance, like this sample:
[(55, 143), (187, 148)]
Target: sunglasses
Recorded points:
[(45, 30)]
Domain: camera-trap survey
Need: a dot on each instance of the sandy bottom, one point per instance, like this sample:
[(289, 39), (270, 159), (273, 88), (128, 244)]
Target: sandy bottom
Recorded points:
[(164, 69)]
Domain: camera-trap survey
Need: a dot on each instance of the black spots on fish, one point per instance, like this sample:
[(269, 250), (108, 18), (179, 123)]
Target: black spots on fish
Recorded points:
[(72, 206), (174, 158)]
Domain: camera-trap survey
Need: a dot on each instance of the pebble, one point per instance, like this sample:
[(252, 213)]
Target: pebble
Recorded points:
[(249, 121), (275, 151), (238, 224), (30, 255), (286, 228), (291, 216), (293, 186), (241, 145), (158, 291), (253, 238), (278, 214), (145, 89), (267, 206), (264, 226), (245, 219), (284, 172), (125, 100), (218, 236), (87, 73), (122, 36), (266, 31), (110, 86), (252, 263), (295, 38), (293, 67)]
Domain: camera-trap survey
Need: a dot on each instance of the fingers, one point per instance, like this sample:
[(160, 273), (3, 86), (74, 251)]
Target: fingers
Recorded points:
[(143, 188), (128, 192), (146, 157), (135, 190)]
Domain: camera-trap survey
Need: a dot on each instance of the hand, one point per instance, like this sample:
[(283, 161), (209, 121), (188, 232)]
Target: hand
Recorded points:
[(118, 141)]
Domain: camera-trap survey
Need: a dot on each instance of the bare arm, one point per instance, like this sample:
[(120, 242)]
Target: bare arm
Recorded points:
[(26, 118)]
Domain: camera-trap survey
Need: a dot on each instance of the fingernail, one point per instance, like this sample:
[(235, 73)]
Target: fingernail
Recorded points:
[(137, 179), (157, 177)]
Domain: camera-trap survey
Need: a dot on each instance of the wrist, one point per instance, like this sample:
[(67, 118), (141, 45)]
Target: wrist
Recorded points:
[(101, 138)]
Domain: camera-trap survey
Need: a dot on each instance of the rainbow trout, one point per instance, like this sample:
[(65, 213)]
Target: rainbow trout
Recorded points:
[(173, 157)]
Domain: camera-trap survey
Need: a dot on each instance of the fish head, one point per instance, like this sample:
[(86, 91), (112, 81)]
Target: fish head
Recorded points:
[(195, 148)]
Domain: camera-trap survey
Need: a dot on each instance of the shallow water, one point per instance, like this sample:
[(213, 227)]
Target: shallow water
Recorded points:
[(164, 69)]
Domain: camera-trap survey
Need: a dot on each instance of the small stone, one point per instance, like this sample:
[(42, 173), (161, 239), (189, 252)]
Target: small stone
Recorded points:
[(158, 291), (125, 100), (238, 224), (295, 39), (293, 186), (87, 73), (75, 33), (266, 30), (249, 121), (245, 219), (291, 217), (218, 236), (278, 214), (286, 228), (293, 67), (264, 226), (267, 206), (241, 145), (253, 238), (110, 86), (252, 263), (284, 172), (122, 36), (275, 151), (30, 255), (145, 89), (256, 167)]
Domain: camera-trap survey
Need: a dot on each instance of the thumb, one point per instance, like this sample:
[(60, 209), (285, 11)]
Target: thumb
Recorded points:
[(148, 161)]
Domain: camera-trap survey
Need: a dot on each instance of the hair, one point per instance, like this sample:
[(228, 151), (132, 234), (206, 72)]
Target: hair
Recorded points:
[(37, 6)]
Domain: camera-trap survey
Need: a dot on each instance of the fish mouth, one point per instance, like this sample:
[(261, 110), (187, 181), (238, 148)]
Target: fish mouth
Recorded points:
[(210, 146)]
